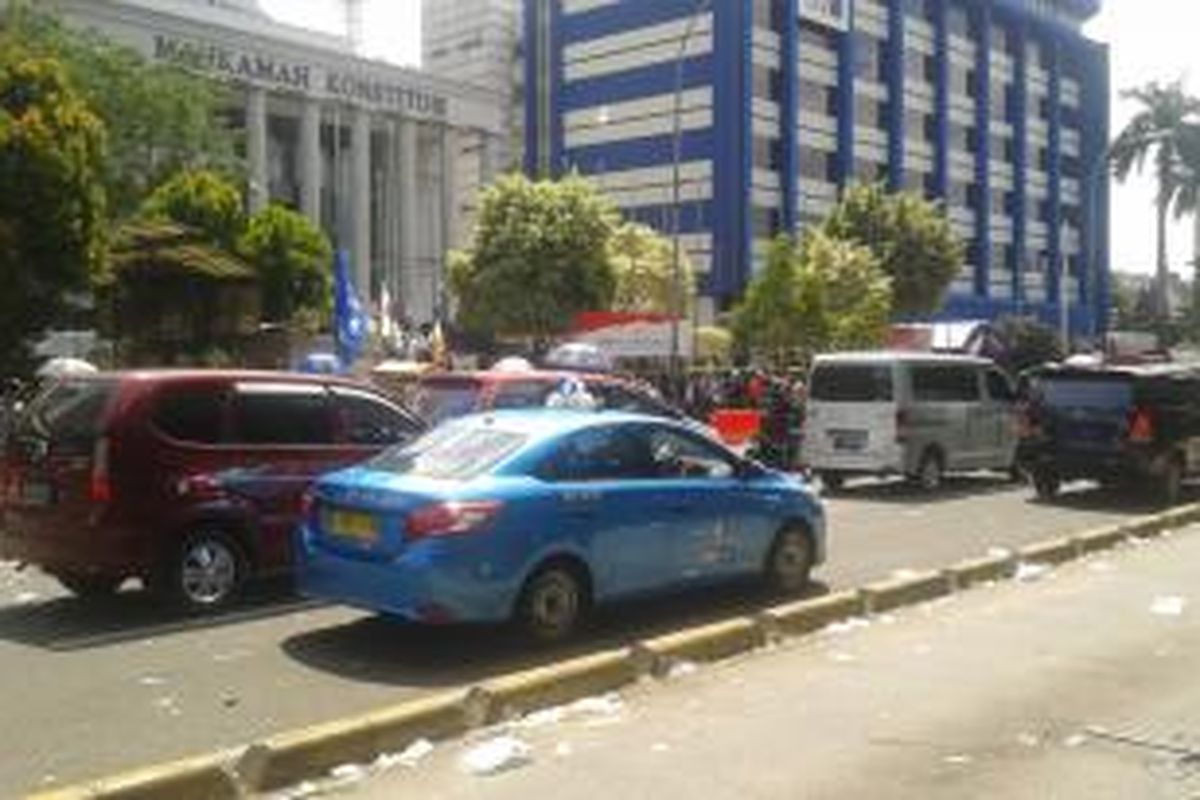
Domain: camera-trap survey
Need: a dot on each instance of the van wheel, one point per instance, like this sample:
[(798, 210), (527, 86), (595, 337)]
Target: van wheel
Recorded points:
[(930, 472), (1047, 484), (89, 586), (790, 562), (552, 604), (205, 573), (832, 481)]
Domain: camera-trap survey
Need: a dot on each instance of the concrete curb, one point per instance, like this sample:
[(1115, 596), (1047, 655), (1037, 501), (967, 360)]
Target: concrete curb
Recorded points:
[(289, 758)]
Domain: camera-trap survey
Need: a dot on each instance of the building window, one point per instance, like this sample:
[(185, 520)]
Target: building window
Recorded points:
[(767, 153), (915, 66), (814, 164), (958, 21), (768, 83), (766, 222), (867, 62)]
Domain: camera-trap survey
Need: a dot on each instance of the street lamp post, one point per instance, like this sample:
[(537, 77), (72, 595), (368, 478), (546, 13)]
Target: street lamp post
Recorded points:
[(677, 306)]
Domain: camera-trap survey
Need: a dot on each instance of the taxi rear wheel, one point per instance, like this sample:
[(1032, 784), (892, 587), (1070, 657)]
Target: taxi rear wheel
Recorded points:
[(552, 603)]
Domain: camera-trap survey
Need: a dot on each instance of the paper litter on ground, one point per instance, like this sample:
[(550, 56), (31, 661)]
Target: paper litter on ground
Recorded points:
[(496, 755)]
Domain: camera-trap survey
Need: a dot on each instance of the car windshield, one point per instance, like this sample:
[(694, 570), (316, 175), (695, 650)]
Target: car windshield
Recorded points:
[(440, 400), (1086, 392), (452, 452), (852, 383)]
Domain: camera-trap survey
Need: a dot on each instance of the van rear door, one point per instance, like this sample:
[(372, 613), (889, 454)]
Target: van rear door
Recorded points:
[(1085, 412), (851, 417)]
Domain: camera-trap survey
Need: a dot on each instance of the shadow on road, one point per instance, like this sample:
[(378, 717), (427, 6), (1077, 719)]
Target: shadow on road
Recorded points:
[(67, 623), (902, 492), (1131, 501), (384, 651)]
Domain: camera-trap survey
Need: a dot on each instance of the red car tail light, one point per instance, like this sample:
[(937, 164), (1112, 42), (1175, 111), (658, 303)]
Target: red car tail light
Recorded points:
[(451, 519), (100, 488), (1141, 427)]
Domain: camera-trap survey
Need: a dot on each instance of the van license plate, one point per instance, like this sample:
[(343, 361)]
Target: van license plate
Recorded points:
[(848, 440), (352, 525)]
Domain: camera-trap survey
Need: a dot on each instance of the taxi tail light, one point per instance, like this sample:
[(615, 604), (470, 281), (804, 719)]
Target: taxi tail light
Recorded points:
[(1141, 427), (451, 519), (100, 488)]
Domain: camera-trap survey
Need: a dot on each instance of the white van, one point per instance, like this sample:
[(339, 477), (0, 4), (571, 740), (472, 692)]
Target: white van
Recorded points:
[(915, 414)]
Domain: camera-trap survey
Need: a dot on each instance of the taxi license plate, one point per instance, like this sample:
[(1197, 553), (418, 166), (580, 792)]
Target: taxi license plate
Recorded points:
[(352, 525)]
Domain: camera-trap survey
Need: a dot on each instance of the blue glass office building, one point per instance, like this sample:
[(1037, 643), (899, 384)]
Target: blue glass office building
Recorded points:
[(998, 107)]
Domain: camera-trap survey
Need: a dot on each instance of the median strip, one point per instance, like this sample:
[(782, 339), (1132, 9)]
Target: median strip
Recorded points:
[(310, 753)]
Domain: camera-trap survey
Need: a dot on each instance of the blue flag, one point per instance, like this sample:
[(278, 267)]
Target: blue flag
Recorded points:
[(349, 321)]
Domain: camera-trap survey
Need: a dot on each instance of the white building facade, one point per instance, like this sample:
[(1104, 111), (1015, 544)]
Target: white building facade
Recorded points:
[(386, 159)]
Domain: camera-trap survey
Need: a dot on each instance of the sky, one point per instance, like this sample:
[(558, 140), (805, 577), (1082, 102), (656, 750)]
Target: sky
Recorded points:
[(1150, 40)]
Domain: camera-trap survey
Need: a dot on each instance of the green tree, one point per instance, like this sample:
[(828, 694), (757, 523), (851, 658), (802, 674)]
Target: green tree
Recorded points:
[(909, 236), (1155, 131), (825, 294), (1027, 343), (160, 118), (203, 200), (643, 263), (538, 257), (294, 262), (846, 296), (52, 207)]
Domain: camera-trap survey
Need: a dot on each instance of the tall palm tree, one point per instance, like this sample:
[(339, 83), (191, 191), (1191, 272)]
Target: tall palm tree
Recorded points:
[(1155, 132)]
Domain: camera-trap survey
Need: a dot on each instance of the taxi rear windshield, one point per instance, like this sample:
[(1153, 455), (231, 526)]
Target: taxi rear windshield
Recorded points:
[(452, 452), (852, 383)]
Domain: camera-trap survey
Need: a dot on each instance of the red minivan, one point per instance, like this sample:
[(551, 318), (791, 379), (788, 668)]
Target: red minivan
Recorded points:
[(191, 481)]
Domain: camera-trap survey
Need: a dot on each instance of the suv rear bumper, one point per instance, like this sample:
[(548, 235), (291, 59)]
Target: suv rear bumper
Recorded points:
[(1101, 465), (93, 549)]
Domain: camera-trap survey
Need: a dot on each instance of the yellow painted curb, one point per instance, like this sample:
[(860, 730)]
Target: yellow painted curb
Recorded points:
[(555, 684), (975, 571), (892, 594), (710, 642), (288, 758), (1056, 551), (806, 616), (202, 778), (1101, 539)]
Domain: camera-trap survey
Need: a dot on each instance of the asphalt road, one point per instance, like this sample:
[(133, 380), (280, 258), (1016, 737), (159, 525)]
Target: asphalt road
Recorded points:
[(1079, 686), (89, 689)]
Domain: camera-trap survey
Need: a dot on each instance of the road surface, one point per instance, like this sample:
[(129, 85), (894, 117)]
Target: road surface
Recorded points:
[(1080, 686), (89, 689)]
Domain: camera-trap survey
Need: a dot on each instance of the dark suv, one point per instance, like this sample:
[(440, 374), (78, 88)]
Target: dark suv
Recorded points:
[(191, 481), (1118, 425)]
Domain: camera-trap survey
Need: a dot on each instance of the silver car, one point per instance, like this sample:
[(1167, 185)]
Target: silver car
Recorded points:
[(915, 414)]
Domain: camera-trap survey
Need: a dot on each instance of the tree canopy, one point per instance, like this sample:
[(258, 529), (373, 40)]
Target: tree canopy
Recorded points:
[(909, 236), (643, 263), (825, 294), (294, 262), (203, 200), (160, 118), (539, 256), (52, 212)]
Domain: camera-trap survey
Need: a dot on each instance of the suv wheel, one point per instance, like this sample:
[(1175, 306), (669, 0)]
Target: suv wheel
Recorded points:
[(205, 573), (89, 586), (552, 604), (1046, 484), (790, 562)]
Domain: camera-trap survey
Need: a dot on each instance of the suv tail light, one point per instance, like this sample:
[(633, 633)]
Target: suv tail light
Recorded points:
[(100, 486), (451, 519), (1141, 427)]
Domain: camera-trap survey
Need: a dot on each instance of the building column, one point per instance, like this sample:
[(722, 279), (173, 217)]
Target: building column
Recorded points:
[(310, 162), (1057, 286), (983, 151), (896, 99), (449, 147), (941, 139), (259, 193), (409, 266), (1018, 115), (789, 118), (360, 225)]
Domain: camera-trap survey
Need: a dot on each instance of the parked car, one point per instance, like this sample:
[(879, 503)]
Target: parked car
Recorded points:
[(536, 517), (915, 414), (190, 481), (444, 396), (1117, 425)]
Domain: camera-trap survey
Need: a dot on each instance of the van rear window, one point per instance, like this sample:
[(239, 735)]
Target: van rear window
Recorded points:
[(852, 383), (1085, 392)]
